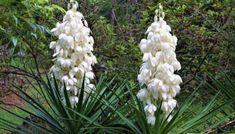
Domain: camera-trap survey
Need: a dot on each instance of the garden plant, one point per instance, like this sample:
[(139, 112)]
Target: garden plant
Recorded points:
[(74, 84)]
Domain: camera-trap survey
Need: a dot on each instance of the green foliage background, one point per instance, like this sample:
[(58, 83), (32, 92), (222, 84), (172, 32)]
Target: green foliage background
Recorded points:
[(25, 28), (205, 29)]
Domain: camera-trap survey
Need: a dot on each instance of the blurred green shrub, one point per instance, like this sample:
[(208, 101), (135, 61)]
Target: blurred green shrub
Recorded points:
[(24, 26), (205, 30)]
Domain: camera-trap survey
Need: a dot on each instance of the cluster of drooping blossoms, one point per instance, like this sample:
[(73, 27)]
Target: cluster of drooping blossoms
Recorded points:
[(73, 53), (157, 77)]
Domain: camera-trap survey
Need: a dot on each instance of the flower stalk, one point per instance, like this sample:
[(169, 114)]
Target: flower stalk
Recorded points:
[(73, 57), (157, 78)]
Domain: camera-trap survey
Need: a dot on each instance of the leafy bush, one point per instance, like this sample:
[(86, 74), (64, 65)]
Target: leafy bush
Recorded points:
[(25, 28), (205, 30)]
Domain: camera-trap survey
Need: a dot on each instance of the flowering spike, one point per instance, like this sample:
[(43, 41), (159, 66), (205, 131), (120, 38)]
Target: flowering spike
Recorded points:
[(73, 5), (159, 14), (157, 71), (73, 55)]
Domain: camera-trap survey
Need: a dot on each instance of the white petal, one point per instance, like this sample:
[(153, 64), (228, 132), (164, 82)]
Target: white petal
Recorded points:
[(73, 100), (151, 119)]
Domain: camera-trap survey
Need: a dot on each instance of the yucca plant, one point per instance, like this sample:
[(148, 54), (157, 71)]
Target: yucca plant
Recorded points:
[(159, 85), (186, 118), (110, 107), (113, 108), (225, 84), (102, 111)]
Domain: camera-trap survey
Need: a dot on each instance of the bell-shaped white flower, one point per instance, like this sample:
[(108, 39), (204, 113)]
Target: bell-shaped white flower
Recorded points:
[(151, 119), (73, 100), (157, 70), (73, 57)]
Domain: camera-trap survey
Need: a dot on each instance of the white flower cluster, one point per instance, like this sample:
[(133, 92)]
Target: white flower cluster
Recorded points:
[(73, 53), (157, 70)]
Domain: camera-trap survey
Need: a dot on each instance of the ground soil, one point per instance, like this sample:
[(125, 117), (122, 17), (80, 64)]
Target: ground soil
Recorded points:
[(11, 99)]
